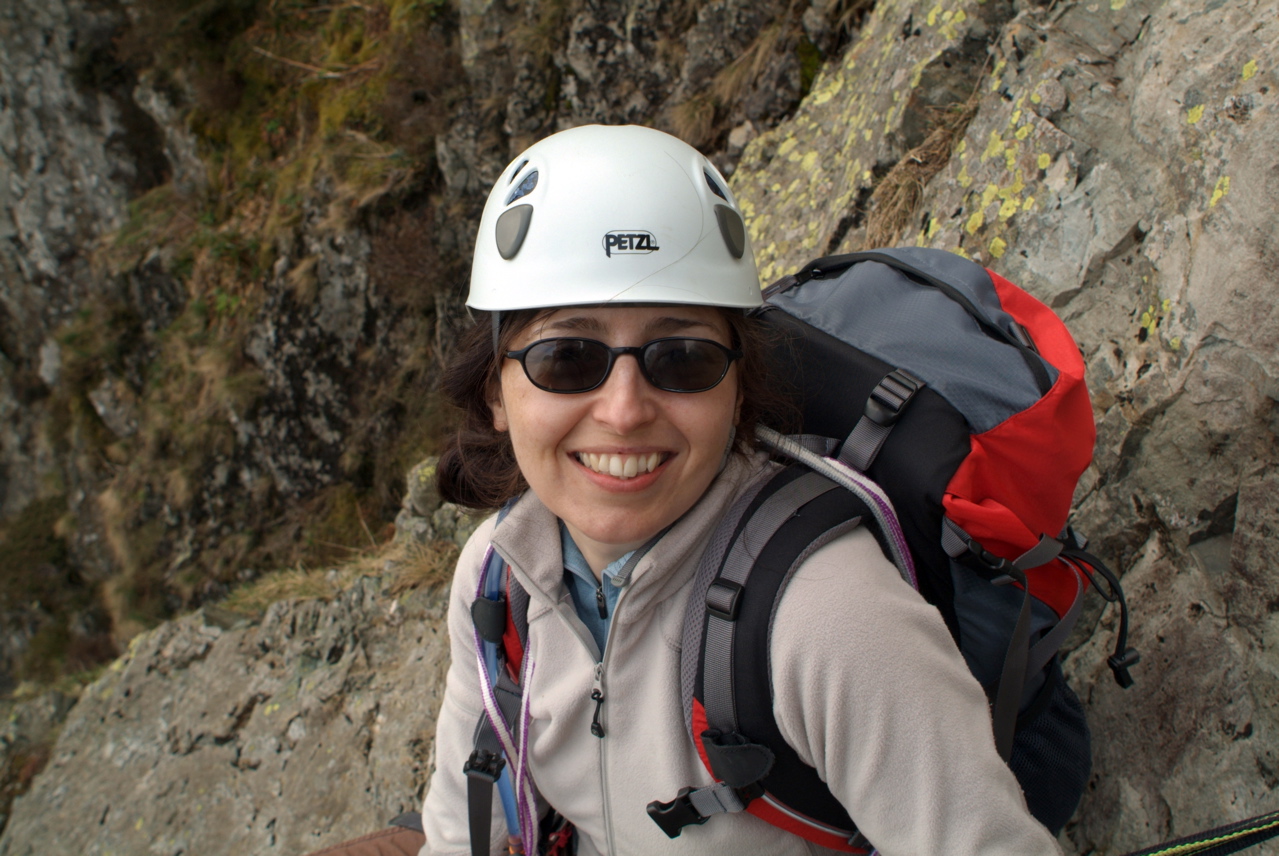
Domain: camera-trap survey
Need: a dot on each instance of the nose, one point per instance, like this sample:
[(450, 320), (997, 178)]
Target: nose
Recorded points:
[(625, 402)]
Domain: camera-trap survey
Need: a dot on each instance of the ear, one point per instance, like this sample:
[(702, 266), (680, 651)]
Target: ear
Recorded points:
[(500, 423)]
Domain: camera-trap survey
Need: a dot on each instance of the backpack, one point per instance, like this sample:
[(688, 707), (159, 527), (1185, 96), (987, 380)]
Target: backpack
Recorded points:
[(943, 408), (961, 398)]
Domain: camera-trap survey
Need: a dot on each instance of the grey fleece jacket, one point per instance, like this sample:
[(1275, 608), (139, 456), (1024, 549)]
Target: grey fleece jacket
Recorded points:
[(868, 688)]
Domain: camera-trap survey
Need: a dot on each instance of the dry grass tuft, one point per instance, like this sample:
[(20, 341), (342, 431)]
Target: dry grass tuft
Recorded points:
[(424, 566), (733, 79), (893, 204), (694, 120), (403, 568), (848, 15), (291, 584)]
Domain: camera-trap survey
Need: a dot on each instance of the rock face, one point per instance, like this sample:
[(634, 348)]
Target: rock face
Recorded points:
[(1117, 167), (1115, 158), (74, 147), (312, 726)]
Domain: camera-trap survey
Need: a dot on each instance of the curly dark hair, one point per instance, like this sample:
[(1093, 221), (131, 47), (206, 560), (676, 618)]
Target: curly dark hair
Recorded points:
[(477, 467)]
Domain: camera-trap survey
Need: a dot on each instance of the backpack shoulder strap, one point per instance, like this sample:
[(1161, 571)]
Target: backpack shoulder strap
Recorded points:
[(500, 616), (758, 546)]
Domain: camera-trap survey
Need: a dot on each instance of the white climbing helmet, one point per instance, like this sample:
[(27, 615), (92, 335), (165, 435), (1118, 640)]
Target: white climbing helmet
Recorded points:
[(611, 214)]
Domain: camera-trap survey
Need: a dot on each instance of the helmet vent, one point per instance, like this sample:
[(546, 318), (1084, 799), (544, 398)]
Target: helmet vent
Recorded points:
[(732, 229), (516, 173), (512, 228), (714, 185), (524, 188)]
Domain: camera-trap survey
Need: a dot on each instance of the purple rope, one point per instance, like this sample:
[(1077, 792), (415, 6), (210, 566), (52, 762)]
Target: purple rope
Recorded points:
[(524, 799), (859, 484)]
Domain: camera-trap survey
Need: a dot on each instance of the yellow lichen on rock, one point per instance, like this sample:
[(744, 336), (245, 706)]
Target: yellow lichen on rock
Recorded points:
[(989, 195), (1010, 154), (994, 148), (975, 222), (1222, 188)]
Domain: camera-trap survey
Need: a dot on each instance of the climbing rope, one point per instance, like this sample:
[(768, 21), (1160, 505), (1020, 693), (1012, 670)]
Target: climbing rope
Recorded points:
[(1216, 842)]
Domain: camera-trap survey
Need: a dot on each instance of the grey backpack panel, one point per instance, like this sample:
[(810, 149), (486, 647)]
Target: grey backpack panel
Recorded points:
[(888, 314)]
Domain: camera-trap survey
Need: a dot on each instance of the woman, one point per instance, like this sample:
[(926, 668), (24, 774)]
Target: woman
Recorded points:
[(610, 402)]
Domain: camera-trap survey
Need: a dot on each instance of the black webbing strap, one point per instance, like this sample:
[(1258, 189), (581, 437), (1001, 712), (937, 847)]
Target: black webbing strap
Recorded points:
[(1003, 714), (739, 762), (1124, 657), (482, 773), (1006, 704), (722, 598), (1230, 838), (482, 770), (484, 767), (884, 406)]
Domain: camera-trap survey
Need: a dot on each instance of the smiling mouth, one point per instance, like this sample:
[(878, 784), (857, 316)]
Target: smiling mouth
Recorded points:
[(621, 466)]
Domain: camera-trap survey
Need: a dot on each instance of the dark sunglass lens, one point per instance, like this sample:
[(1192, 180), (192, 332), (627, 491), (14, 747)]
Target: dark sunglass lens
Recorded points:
[(685, 365), (566, 365)]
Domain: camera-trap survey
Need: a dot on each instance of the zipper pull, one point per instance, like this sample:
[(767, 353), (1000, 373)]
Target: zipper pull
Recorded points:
[(600, 603), (597, 695)]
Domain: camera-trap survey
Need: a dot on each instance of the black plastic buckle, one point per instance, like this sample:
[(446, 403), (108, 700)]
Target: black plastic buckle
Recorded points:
[(995, 569), (673, 816), (723, 599), (489, 617), (890, 396), (1120, 663), (484, 764)]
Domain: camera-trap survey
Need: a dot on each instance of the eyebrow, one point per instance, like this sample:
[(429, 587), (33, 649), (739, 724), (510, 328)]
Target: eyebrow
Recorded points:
[(664, 325)]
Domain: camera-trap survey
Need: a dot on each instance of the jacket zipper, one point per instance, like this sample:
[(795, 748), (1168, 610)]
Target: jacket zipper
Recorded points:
[(597, 695), (569, 615), (598, 686)]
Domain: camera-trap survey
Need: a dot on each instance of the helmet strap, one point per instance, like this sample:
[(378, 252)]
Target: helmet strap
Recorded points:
[(497, 328)]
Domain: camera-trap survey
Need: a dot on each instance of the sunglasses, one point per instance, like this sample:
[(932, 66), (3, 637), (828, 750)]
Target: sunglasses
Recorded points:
[(673, 364)]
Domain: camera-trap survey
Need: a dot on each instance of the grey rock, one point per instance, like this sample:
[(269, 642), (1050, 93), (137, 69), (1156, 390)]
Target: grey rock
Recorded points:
[(68, 168), (309, 728), (421, 495), (1128, 183), (116, 406)]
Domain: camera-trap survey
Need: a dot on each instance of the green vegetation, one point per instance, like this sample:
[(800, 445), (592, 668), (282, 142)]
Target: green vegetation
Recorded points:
[(300, 107), (38, 584), (31, 551)]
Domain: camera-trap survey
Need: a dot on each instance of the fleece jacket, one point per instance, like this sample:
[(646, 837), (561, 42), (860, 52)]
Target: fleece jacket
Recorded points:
[(868, 687)]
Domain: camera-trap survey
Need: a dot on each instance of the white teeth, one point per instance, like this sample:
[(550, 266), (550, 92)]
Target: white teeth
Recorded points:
[(621, 466)]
